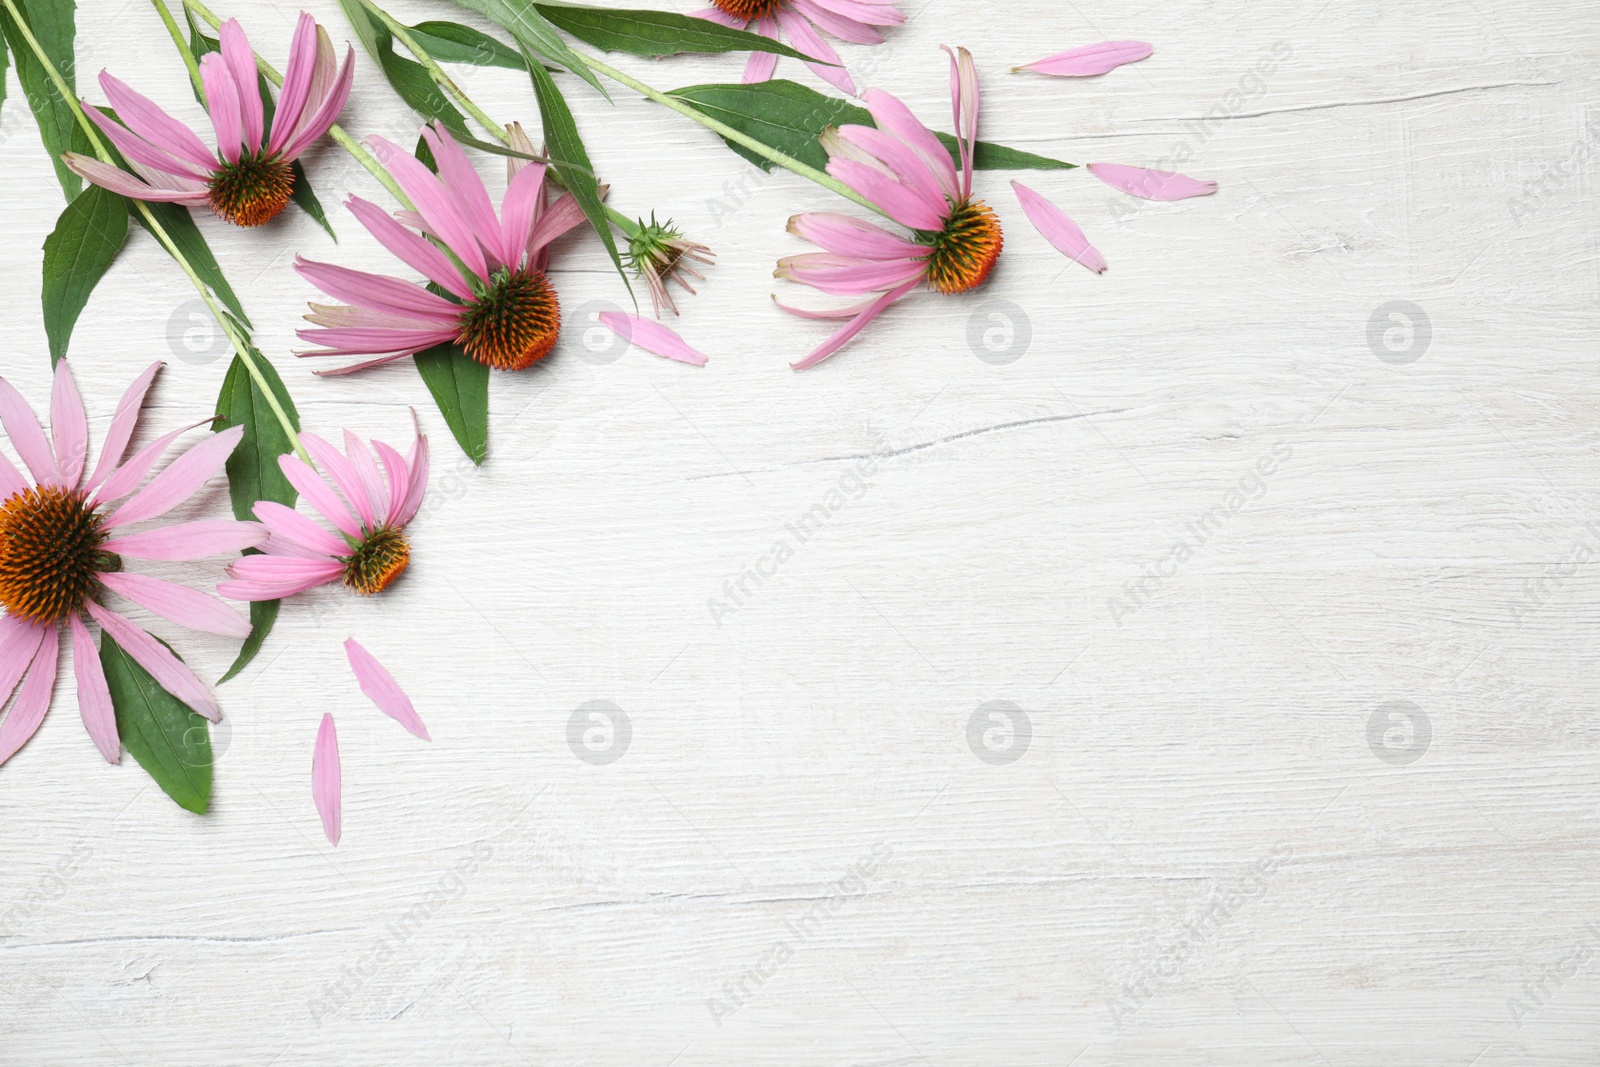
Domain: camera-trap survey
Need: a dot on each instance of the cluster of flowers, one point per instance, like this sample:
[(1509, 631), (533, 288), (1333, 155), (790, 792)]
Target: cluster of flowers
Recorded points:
[(66, 531)]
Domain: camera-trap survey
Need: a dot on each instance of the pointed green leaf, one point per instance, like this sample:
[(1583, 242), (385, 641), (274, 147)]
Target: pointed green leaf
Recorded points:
[(564, 145), (659, 33), (535, 34), (53, 25), (460, 386), (791, 117), (169, 739), (77, 255), (263, 613), (305, 198), (451, 42)]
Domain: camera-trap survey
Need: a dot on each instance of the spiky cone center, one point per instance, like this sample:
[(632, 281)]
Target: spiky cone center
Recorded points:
[(965, 251), (50, 554), (514, 323), (251, 191), (748, 9), (380, 558)]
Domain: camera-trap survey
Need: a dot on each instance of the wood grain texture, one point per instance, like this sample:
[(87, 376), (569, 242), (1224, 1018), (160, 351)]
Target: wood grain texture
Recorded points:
[(800, 858)]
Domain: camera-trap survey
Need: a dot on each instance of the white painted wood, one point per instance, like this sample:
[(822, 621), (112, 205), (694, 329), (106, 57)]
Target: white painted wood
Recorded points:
[(1199, 859)]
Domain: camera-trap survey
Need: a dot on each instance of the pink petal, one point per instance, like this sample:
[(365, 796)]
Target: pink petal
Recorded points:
[(326, 779), (383, 690), (122, 424), (286, 523), (805, 39), (19, 643), (438, 208), (520, 207), (1151, 184), (124, 184), (556, 220), (344, 476), (377, 291), (366, 469), (182, 479), (847, 276), (167, 669), (139, 150), (464, 185), (893, 117), (276, 577), (222, 100), (904, 205), (1058, 229), (760, 66), (845, 27), (392, 343), (296, 82), (1090, 59), (417, 485), (853, 327), (849, 311), (126, 478), (178, 603), (33, 699), (26, 437), (411, 249), (853, 237), (652, 337), (317, 123), (189, 540), (399, 477), (11, 481), (964, 100), (163, 131), (94, 696), (69, 426), (317, 494), (242, 65)]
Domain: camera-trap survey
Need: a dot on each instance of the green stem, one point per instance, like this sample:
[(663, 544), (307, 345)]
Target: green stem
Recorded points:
[(805, 170), (241, 344), (183, 46)]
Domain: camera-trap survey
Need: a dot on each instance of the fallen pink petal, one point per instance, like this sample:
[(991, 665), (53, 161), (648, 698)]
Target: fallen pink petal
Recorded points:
[(327, 780), (381, 688), (1089, 60), (1151, 184), (651, 336), (1058, 228)]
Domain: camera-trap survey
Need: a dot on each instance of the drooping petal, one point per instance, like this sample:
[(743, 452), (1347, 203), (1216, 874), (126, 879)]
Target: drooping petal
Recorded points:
[(893, 117), (845, 27), (19, 643), (903, 204), (1151, 184), (275, 577), (343, 474), (964, 101), (222, 100), (137, 149), (33, 699), (652, 337), (346, 341), (178, 603), (1058, 229), (440, 213), (182, 479), (122, 424), (22, 427), (411, 249), (127, 476), (285, 522), (124, 184), (417, 485), (847, 276), (461, 181), (69, 426), (899, 157), (1090, 59), (366, 469), (520, 207), (805, 39), (188, 540), (147, 120), (849, 236), (94, 696), (853, 327), (551, 223), (242, 65), (296, 82), (760, 66), (383, 690), (399, 477), (326, 780), (377, 291), (314, 124), (317, 494), (867, 12), (167, 669)]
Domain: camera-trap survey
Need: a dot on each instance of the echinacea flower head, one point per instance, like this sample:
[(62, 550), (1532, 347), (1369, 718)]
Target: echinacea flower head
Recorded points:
[(660, 254), (367, 548), (64, 543), (500, 305), (856, 21), (903, 169), (247, 179)]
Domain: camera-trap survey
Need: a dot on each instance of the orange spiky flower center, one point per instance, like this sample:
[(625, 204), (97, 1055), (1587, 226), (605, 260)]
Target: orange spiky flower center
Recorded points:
[(251, 191), (965, 251), (748, 9), (514, 323), (50, 554), (380, 558)]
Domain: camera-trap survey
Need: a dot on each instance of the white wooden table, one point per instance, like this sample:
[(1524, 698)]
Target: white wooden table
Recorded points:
[(1324, 791)]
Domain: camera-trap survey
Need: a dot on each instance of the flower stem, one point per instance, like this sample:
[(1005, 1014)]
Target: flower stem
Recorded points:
[(183, 46), (805, 170), (241, 343)]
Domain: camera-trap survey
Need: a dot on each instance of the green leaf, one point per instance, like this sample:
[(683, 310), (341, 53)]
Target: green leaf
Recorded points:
[(305, 198), (535, 34), (564, 145), (180, 226), (659, 33), (791, 117), (451, 42), (406, 76), (77, 255), (52, 23), (253, 471), (460, 386), (169, 739)]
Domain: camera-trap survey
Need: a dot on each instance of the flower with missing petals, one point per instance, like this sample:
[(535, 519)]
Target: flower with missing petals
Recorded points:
[(64, 538), (248, 180), (366, 550), (659, 254), (500, 306), (856, 21)]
